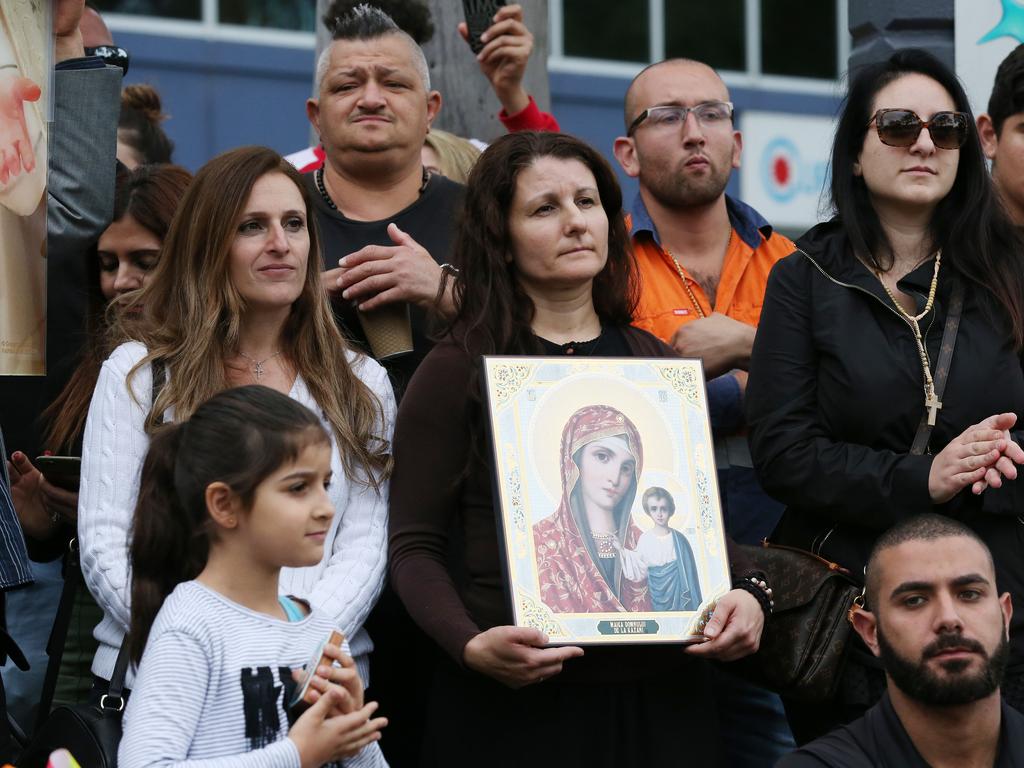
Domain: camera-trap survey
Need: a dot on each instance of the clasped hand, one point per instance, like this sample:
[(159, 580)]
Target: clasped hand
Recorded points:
[(721, 342), (982, 456), (338, 724), (381, 274)]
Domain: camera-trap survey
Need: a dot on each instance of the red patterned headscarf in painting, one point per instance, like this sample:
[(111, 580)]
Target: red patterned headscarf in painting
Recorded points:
[(570, 580)]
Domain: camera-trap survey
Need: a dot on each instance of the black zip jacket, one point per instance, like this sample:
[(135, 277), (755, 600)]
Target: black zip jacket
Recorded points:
[(835, 396)]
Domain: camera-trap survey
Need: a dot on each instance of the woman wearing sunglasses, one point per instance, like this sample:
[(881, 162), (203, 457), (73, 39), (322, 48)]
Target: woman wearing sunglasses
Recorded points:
[(846, 369)]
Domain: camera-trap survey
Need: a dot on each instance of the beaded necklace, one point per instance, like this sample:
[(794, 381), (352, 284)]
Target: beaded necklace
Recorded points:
[(931, 401), (318, 177)]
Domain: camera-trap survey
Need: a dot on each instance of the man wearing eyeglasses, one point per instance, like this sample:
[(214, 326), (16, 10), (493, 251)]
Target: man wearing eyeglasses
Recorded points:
[(704, 260), (704, 257)]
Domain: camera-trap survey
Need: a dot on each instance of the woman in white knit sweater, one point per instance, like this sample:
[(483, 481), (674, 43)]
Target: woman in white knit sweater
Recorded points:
[(237, 299)]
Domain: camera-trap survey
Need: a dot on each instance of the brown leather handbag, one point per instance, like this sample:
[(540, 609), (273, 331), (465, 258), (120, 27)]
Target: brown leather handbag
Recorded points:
[(804, 643)]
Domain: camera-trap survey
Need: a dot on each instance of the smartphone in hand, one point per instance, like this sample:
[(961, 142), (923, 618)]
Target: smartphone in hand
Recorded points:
[(479, 16), (318, 659), (62, 471)]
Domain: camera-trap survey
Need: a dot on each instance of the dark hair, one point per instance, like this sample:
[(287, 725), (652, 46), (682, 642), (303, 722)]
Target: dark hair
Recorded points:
[(139, 124), (925, 527), (150, 194), (411, 16), (494, 312), (1008, 89), (170, 537), (657, 492), (365, 21), (977, 239)]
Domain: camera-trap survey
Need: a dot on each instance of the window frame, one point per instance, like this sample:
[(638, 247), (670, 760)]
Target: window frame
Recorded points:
[(209, 27), (752, 77)]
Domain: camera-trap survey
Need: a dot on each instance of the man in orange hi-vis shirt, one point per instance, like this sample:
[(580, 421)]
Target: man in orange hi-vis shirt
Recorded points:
[(704, 260)]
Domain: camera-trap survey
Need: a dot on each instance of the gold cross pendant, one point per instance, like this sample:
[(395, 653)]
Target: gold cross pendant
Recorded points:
[(933, 404)]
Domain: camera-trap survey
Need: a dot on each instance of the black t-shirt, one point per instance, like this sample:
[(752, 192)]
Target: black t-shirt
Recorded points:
[(879, 740), (430, 221)]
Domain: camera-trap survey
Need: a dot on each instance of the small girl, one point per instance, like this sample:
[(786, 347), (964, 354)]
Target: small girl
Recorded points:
[(226, 500)]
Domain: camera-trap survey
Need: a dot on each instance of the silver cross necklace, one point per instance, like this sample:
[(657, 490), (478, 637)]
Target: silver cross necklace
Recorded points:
[(257, 365)]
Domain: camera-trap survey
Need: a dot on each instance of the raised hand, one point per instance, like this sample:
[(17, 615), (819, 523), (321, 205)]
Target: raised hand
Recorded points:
[(507, 48)]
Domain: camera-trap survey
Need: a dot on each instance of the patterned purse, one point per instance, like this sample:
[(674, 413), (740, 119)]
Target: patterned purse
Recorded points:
[(804, 644)]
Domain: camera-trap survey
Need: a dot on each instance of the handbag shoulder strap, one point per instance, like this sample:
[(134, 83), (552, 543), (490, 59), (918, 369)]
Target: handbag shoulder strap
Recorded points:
[(956, 308), (59, 633), (116, 689)]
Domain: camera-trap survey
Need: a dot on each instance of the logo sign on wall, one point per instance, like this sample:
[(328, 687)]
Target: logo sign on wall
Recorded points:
[(985, 31), (785, 165)]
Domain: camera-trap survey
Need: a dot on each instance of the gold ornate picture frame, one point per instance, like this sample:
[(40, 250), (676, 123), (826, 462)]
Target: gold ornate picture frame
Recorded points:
[(607, 496)]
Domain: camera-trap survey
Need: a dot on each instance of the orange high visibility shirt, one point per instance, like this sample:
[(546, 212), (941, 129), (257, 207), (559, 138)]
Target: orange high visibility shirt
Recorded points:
[(664, 302)]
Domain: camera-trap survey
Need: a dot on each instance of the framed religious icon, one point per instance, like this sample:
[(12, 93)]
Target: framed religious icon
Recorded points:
[(610, 519)]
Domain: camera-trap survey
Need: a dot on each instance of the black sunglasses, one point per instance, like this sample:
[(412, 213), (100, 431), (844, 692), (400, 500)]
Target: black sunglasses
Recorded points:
[(901, 127), (111, 54)]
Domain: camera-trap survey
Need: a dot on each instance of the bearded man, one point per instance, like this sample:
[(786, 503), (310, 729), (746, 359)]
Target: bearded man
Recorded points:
[(938, 622)]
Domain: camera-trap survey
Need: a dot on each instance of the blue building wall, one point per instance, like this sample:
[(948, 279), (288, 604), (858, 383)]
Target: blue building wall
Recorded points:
[(225, 94)]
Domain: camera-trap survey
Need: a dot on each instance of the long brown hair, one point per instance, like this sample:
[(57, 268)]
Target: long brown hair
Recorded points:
[(192, 315), (150, 194)]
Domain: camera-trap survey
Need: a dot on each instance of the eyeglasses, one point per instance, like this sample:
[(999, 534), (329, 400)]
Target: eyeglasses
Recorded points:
[(901, 127), (708, 114), (111, 54)]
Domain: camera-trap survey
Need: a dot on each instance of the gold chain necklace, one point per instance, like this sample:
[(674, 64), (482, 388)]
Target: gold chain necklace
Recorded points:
[(931, 401), (686, 283)]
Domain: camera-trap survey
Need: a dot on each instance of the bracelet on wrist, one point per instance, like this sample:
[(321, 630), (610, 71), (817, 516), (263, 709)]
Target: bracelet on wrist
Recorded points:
[(448, 272), (757, 586)]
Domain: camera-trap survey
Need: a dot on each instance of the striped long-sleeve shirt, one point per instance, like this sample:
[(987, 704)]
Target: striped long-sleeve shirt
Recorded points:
[(214, 683)]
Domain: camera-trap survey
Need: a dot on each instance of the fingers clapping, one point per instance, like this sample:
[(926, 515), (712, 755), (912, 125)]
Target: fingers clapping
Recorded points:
[(982, 456)]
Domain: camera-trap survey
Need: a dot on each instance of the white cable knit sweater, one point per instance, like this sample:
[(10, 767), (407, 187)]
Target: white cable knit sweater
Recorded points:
[(344, 585)]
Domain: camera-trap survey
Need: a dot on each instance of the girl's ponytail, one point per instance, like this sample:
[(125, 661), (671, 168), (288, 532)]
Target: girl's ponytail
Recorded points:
[(169, 542)]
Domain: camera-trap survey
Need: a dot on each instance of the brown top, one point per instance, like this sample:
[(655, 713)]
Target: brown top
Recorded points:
[(444, 551)]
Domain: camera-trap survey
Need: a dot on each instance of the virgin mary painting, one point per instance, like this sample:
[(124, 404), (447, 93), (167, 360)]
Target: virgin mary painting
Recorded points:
[(578, 547)]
